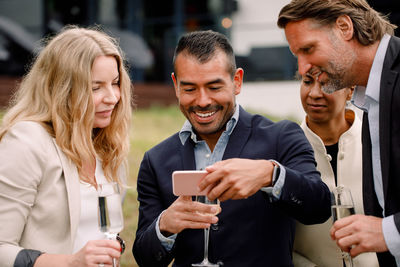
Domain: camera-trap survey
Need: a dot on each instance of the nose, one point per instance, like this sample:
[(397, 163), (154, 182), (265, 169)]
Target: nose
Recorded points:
[(112, 95), (315, 90), (203, 98), (303, 65)]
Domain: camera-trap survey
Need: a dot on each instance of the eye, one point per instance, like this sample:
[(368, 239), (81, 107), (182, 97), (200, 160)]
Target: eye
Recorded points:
[(307, 50), (117, 83), (95, 88), (308, 81), (215, 87), (188, 89)]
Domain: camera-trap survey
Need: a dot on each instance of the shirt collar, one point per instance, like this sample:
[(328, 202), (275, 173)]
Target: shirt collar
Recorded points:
[(374, 78), (187, 129)]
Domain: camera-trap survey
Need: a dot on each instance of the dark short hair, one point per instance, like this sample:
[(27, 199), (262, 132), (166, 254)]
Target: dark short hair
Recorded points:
[(369, 25), (203, 45)]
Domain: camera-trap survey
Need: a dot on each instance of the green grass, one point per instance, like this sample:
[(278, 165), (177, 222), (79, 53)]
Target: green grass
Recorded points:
[(149, 127)]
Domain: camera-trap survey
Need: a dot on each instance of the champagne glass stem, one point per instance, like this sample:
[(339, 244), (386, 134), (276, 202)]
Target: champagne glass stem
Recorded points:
[(348, 259), (206, 241), (111, 236)]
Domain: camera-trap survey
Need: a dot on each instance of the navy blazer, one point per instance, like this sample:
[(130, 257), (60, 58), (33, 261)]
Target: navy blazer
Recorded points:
[(389, 141), (250, 232)]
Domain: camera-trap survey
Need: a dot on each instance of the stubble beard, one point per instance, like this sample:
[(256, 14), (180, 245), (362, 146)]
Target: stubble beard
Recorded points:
[(340, 76)]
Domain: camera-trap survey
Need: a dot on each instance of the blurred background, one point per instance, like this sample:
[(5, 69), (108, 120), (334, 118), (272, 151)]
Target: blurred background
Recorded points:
[(148, 31)]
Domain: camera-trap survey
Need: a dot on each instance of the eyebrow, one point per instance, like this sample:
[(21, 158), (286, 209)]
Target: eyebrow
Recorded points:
[(208, 83), (116, 78)]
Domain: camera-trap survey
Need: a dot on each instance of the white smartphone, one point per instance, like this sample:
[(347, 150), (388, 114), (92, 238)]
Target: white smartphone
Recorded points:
[(185, 183)]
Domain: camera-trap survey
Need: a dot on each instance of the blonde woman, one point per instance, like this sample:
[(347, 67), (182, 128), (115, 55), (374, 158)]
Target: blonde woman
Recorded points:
[(67, 131)]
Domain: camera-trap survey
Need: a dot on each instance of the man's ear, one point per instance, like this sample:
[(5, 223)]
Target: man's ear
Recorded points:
[(238, 80), (345, 26)]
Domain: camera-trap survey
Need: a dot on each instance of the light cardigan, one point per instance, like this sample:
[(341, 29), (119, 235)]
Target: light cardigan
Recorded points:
[(39, 194), (313, 241)]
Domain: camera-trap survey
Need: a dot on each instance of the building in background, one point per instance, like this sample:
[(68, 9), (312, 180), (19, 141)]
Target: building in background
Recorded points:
[(149, 29)]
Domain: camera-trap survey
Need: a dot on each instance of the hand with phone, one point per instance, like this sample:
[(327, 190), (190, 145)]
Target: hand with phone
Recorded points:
[(186, 183), (237, 178), (185, 213)]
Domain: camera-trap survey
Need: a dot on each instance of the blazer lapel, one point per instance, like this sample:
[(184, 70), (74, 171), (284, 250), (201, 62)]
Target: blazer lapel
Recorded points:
[(388, 81), (71, 177), (239, 135)]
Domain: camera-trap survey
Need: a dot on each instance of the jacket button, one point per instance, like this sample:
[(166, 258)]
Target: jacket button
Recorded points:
[(159, 256), (214, 227)]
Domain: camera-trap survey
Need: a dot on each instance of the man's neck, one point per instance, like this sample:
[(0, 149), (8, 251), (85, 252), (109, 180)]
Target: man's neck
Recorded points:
[(363, 65)]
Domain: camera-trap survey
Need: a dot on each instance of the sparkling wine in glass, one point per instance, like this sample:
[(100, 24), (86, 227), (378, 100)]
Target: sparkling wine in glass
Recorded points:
[(206, 262), (110, 211), (342, 206)]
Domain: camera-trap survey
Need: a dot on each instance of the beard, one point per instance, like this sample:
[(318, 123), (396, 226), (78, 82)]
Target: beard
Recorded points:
[(333, 84), (337, 76)]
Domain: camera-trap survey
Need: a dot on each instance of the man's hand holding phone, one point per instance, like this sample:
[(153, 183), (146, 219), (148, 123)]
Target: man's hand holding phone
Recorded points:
[(186, 213)]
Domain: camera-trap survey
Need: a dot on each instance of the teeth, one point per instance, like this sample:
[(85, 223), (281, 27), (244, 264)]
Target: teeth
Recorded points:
[(205, 115)]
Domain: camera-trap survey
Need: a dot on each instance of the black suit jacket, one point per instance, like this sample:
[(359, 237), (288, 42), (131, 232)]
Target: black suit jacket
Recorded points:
[(389, 140), (250, 232)]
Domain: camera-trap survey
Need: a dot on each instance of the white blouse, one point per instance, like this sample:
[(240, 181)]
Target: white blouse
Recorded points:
[(88, 223)]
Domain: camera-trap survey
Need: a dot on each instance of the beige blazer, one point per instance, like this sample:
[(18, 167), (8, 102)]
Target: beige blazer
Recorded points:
[(39, 194), (313, 241)]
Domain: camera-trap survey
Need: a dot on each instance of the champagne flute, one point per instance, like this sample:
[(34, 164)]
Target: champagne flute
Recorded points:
[(110, 211), (206, 262), (342, 206)]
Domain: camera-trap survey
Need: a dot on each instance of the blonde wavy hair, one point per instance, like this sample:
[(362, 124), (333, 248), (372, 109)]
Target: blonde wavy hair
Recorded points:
[(57, 93)]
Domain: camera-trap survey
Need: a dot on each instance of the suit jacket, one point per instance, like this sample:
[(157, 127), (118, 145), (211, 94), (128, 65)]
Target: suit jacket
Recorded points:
[(39, 194), (250, 232), (389, 140)]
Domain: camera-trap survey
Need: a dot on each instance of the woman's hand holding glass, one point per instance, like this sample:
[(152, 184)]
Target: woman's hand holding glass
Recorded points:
[(110, 212), (96, 252)]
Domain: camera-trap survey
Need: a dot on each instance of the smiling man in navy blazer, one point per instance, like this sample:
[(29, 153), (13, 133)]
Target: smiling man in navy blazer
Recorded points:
[(345, 43), (240, 151)]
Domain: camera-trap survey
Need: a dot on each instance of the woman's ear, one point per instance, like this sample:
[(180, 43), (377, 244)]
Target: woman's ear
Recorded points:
[(350, 94)]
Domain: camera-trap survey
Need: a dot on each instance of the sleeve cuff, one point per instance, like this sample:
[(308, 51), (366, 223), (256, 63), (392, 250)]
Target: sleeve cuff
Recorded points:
[(27, 258), (166, 242), (391, 236), (276, 191)]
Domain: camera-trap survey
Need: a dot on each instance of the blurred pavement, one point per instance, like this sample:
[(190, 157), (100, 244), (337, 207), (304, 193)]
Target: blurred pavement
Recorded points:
[(280, 99)]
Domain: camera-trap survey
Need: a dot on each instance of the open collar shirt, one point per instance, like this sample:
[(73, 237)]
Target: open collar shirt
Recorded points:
[(367, 99)]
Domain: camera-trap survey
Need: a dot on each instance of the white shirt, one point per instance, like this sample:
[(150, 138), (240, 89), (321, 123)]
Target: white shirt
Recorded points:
[(88, 223), (367, 99)]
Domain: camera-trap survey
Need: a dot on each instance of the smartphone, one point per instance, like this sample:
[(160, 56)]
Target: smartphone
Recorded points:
[(185, 183)]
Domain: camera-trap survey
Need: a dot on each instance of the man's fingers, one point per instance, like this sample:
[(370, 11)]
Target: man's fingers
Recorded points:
[(339, 225)]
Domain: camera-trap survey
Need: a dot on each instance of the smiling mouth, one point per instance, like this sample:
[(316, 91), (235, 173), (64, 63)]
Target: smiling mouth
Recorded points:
[(205, 115)]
